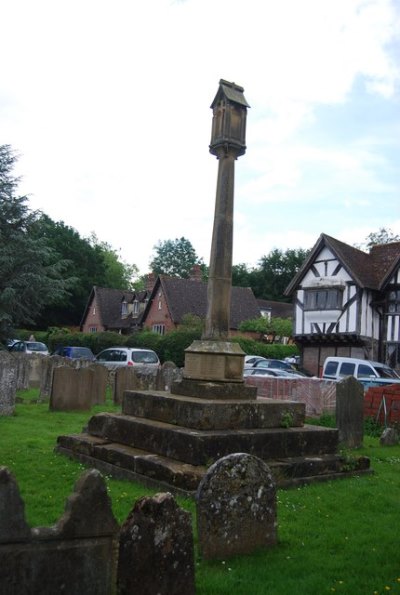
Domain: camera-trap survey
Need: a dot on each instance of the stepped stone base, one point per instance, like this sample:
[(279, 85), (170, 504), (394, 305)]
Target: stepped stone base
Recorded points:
[(169, 441)]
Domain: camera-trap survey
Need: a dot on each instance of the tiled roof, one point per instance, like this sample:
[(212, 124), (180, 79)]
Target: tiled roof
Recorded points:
[(109, 303), (278, 309), (185, 296), (370, 270)]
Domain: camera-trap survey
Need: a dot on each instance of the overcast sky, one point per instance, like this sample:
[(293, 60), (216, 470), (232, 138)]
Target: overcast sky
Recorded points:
[(108, 105)]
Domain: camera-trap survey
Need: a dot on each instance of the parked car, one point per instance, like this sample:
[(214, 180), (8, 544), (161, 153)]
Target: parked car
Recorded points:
[(270, 372), (250, 360), (128, 356), (75, 352), (368, 372), (276, 364), (293, 359), (29, 347)]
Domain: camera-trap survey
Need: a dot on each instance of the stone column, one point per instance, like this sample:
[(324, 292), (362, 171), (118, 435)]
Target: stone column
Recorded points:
[(220, 274)]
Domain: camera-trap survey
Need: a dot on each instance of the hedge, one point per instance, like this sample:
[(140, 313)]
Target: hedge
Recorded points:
[(169, 347)]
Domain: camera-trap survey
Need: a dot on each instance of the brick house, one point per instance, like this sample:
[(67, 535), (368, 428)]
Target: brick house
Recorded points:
[(173, 297), (160, 307), (347, 303), (115, 310)]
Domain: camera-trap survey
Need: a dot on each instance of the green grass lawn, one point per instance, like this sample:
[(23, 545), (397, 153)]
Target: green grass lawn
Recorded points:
[(336, 537)]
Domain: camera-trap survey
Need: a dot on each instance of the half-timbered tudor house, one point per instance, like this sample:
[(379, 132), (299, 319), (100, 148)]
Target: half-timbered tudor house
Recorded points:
[(347, 303)]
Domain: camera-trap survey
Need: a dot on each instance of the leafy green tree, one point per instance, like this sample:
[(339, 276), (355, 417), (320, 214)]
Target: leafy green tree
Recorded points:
[(278, 327), (89, 261), (273, 274), (84, 262), (241, 275), (382, 236), (174, 257), (31, 279), (118, 274)]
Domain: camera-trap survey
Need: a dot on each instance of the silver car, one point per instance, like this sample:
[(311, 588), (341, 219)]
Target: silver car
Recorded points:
[(115, 357)]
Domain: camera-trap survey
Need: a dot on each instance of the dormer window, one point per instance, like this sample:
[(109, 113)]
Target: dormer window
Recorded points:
[(135, 308), (124, 308)]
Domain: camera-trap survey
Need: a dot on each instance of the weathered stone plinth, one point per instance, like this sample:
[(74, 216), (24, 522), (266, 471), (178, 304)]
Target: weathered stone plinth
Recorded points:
[(170, 440), (220, 361)]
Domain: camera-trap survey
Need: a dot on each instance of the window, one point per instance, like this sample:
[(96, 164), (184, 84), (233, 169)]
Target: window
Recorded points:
[(322, 299), (92, 329), (124, 308), (365, 371), (135, 307), (347, 369), (159, 328), (394, 301)]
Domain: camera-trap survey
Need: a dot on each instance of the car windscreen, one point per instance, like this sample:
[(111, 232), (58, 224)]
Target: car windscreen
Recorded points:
[(385, 372), (33, 346)]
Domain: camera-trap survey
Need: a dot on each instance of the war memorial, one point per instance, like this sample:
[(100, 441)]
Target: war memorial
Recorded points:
[(170, 438)]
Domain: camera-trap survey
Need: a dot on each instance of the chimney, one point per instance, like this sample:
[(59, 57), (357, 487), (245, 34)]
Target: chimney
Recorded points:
[(150, 281), (195, 273)]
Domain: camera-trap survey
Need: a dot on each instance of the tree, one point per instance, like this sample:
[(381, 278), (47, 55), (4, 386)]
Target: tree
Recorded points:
[(30, 278), (277, 327), (273, 274), (118, 273), (174, 257), (89, 261), (382, 236)]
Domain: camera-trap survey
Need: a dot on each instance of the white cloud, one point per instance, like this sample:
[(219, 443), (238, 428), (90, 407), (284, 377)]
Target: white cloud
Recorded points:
[(108, 104)]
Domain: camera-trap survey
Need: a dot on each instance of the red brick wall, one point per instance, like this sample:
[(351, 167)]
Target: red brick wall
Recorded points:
[(92, 319), (159, 314), (318, 395), (373, 402)]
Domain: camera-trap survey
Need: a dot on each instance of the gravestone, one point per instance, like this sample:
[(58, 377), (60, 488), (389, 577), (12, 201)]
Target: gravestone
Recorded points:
[(8, 383), (350, 412), (156, 549), (99, 382), (236, 507), (50, 363), (389, 437), (77, 555), (76, 389)]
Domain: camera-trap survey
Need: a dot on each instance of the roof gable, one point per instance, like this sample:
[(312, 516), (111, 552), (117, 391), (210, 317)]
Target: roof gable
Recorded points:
[(371, 270), (186, 296)]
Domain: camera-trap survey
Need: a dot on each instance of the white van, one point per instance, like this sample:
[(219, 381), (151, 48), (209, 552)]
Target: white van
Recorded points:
[(367, 372)]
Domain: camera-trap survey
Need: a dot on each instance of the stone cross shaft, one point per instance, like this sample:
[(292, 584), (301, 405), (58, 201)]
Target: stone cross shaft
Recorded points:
[(220, 274)]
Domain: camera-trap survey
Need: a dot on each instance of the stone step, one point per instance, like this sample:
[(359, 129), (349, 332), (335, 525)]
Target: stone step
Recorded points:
[(204, 414), (202, 447), (126, 462)]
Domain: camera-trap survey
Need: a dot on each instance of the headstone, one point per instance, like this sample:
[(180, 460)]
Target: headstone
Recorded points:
[(169, 373), (156, 549), (389, 437), (13, 527), (77, 555), (236, 507), (71, 389), (99, 383), (124, 379), (8, 383), (49, 364), (350, 412)]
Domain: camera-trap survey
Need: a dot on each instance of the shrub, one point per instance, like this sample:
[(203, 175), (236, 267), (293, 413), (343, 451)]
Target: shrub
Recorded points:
[(268, 350)]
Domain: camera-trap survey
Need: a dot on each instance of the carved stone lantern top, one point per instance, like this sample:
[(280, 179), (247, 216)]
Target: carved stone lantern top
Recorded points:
[(229, 120)]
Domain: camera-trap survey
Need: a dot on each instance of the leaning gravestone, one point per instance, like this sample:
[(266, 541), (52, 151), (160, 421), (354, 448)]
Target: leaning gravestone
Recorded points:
[(389, 437), (71, 389), (236, 507), (350, 412), (156, 549), (8, 383)]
